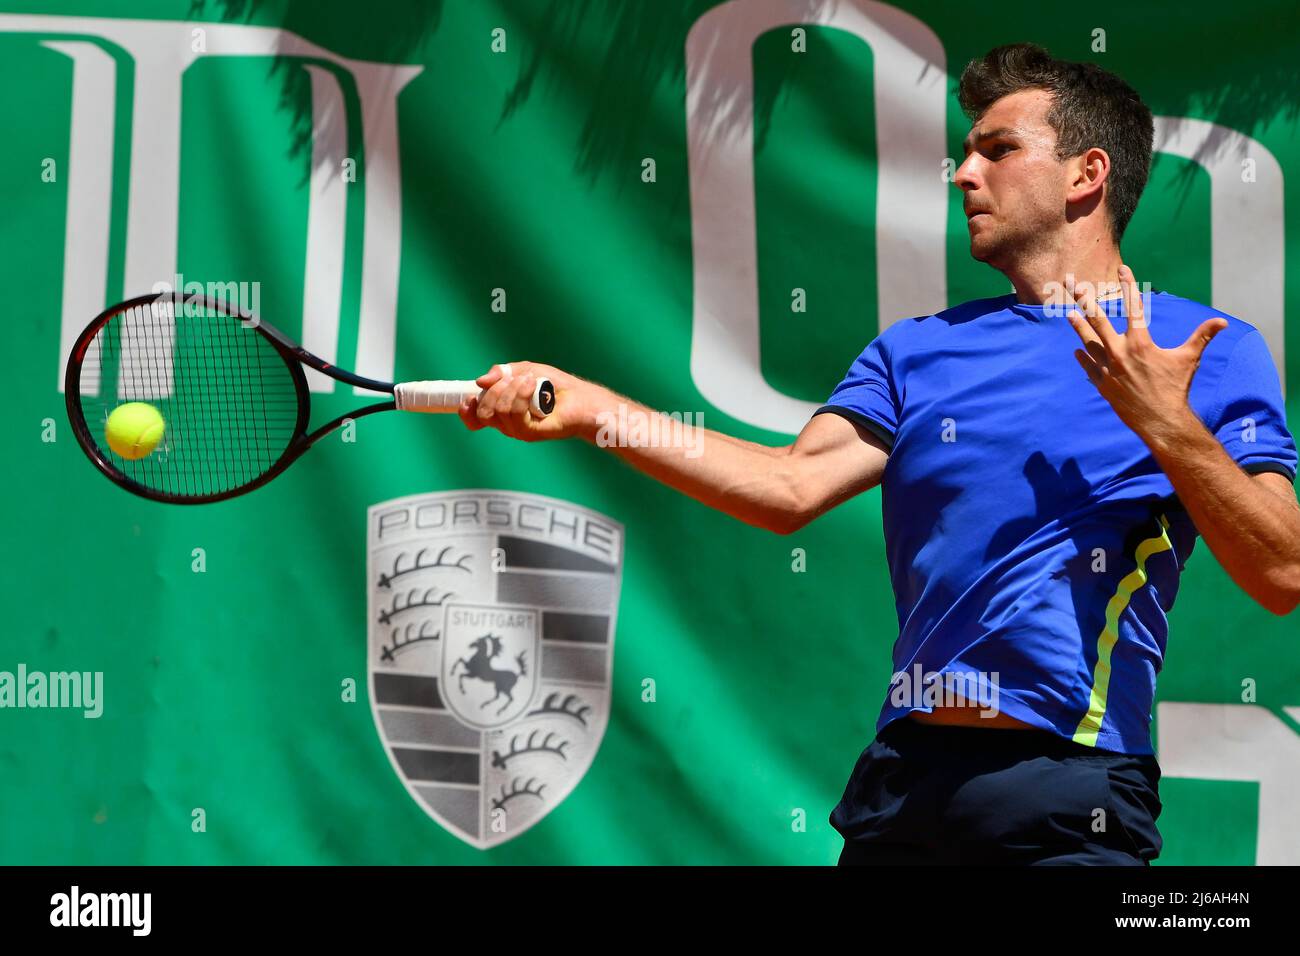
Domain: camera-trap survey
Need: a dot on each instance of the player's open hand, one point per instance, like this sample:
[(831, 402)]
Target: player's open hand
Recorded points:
[(1146, 385), (504, 405)]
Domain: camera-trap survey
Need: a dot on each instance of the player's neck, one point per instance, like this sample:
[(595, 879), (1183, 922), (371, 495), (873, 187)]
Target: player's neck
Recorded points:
[(1040, 279)]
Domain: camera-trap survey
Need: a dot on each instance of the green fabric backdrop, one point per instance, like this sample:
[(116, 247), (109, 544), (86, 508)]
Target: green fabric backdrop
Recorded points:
[(522, 170)]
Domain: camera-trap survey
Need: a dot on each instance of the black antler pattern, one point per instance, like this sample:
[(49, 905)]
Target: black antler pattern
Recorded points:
[(388, 614), (571, 706), (386, 580), (526, 790), (400, 644), (531, 746)]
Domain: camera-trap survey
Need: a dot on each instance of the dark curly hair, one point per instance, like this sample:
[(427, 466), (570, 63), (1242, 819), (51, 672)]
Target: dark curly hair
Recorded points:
[(1090, 107)]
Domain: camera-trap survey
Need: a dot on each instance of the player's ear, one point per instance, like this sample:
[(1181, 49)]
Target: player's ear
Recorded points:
[(1087, 174)]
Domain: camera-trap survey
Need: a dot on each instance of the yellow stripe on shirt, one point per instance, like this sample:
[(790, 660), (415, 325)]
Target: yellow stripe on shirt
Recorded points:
[(1090, 725)]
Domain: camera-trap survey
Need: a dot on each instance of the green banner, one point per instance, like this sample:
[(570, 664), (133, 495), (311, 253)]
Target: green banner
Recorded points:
[(709, 207)]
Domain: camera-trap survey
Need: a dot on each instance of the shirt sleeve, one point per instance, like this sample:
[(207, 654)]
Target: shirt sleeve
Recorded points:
[(867, 395), (1250, 417)]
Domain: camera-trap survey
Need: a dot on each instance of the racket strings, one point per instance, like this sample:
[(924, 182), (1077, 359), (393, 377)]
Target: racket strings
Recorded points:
[(227, 397)]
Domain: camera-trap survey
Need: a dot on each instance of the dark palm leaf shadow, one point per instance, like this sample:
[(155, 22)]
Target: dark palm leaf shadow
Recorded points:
[(403, 26), (643, 47)]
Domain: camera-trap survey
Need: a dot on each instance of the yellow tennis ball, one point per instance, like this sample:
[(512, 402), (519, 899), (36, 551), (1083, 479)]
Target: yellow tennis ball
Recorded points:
[(134, 429)]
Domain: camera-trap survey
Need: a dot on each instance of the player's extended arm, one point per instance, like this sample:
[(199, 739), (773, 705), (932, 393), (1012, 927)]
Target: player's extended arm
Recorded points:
[(779, 489)]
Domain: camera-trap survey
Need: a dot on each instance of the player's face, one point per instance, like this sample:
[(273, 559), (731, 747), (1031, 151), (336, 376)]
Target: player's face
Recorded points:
[(1012, 183)]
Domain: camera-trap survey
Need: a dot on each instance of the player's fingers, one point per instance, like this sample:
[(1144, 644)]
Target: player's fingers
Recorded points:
[(494, 406), (1207, 330), (468, 412), (489, 399), (1090, 367), (1093, 312), (509, 402), (1080, 325), (503, 397), (506, 425), (493, 375), (1099, 354), (521, 410), (1134, 307)]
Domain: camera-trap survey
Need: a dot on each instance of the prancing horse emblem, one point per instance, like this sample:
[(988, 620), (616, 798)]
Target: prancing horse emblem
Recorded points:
[(479, 667)]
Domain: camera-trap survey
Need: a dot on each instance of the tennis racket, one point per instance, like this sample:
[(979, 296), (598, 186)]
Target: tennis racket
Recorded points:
[(231, 391)]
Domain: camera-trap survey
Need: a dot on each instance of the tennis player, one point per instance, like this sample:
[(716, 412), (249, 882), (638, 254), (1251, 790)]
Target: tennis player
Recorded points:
[(1047, 460)]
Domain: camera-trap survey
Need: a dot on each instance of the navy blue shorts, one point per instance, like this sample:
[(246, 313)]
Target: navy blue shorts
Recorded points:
[(928, 794)]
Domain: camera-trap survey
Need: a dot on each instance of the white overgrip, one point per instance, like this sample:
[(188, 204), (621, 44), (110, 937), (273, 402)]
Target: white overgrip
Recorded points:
[(445, 395), (435, 395)]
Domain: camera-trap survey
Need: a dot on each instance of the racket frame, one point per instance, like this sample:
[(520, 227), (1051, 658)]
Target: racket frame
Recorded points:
[(295, 357)]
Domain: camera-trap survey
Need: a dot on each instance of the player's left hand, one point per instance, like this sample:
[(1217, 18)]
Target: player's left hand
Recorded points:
[(1146, 385)]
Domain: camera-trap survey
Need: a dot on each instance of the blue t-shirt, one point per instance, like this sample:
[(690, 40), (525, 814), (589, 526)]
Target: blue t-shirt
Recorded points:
[(1034, 543)]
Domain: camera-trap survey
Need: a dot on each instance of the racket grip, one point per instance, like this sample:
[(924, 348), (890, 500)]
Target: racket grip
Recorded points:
[(445, 396)]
